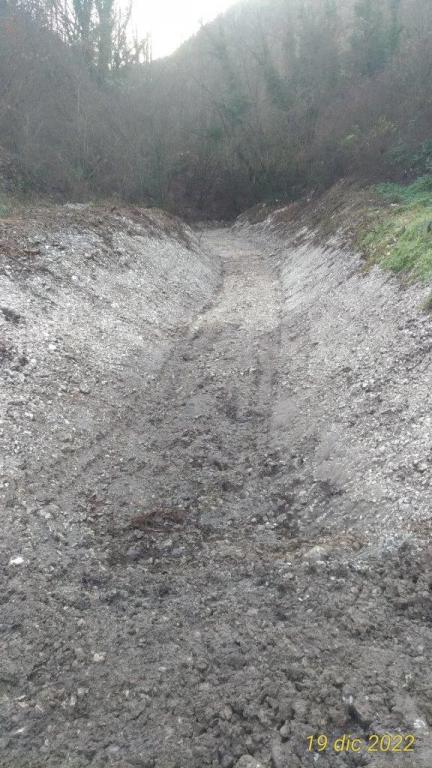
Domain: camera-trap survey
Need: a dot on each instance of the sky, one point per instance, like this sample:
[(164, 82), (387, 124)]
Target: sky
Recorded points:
[(170, 22)]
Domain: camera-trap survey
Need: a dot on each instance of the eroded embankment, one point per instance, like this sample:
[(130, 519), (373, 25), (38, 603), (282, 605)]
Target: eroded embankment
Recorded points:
[(355, 403), (90, 303)]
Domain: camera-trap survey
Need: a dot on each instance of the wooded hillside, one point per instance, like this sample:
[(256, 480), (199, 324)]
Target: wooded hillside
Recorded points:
[(271, 100)]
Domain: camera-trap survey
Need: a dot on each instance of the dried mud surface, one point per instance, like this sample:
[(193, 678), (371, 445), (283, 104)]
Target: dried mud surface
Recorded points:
[(225, 548)]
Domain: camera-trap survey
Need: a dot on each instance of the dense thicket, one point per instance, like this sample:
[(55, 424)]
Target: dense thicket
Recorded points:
[(274, 98), (65, 113)]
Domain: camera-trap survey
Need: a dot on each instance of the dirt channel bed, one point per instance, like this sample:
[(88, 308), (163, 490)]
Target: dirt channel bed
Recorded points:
[(215, 500)]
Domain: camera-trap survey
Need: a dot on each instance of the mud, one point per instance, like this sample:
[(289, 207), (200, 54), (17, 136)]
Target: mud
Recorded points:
[(233, 554)]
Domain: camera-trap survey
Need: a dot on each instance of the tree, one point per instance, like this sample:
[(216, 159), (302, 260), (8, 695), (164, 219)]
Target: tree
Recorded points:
[(104, 32), (376, 34)]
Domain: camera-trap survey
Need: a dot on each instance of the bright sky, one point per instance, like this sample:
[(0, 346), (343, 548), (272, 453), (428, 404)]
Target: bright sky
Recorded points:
[(170, 22)]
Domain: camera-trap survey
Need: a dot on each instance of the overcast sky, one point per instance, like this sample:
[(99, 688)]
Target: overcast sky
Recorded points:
[(170, 22)]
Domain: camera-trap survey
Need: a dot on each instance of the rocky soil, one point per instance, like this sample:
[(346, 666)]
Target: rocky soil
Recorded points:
[(215, 498)]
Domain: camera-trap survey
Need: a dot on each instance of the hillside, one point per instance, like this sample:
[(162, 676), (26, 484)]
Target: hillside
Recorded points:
[(283, 98), (270, 101)]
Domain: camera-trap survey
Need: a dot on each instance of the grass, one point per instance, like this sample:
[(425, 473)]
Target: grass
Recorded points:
[(418, 193), (400, 238)]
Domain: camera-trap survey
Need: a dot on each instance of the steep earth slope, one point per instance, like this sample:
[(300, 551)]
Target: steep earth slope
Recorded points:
[(232, 554)]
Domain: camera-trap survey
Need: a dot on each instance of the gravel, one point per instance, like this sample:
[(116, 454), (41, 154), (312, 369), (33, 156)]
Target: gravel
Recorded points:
[(216, 525)]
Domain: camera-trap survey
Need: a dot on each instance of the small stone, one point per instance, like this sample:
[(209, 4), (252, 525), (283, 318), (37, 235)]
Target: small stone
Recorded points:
[(134, 553), (247, 761), (9, 672), (300, 708), (283, 757), (227, 760), (98, 658), (285, 709), (277, 756), (16, 560), (316, 554), (361, 711), (226, 712), (420, 725)]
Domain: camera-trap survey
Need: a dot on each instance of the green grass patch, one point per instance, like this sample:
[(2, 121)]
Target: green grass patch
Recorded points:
[(400, 237), (417, 193)]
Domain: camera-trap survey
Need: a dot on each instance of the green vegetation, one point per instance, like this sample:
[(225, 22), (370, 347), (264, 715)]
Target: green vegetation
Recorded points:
[(272, 100), (418, 193), (400, 239)]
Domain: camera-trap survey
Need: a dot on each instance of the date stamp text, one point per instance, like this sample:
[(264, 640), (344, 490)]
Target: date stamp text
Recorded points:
[(386, 742)]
